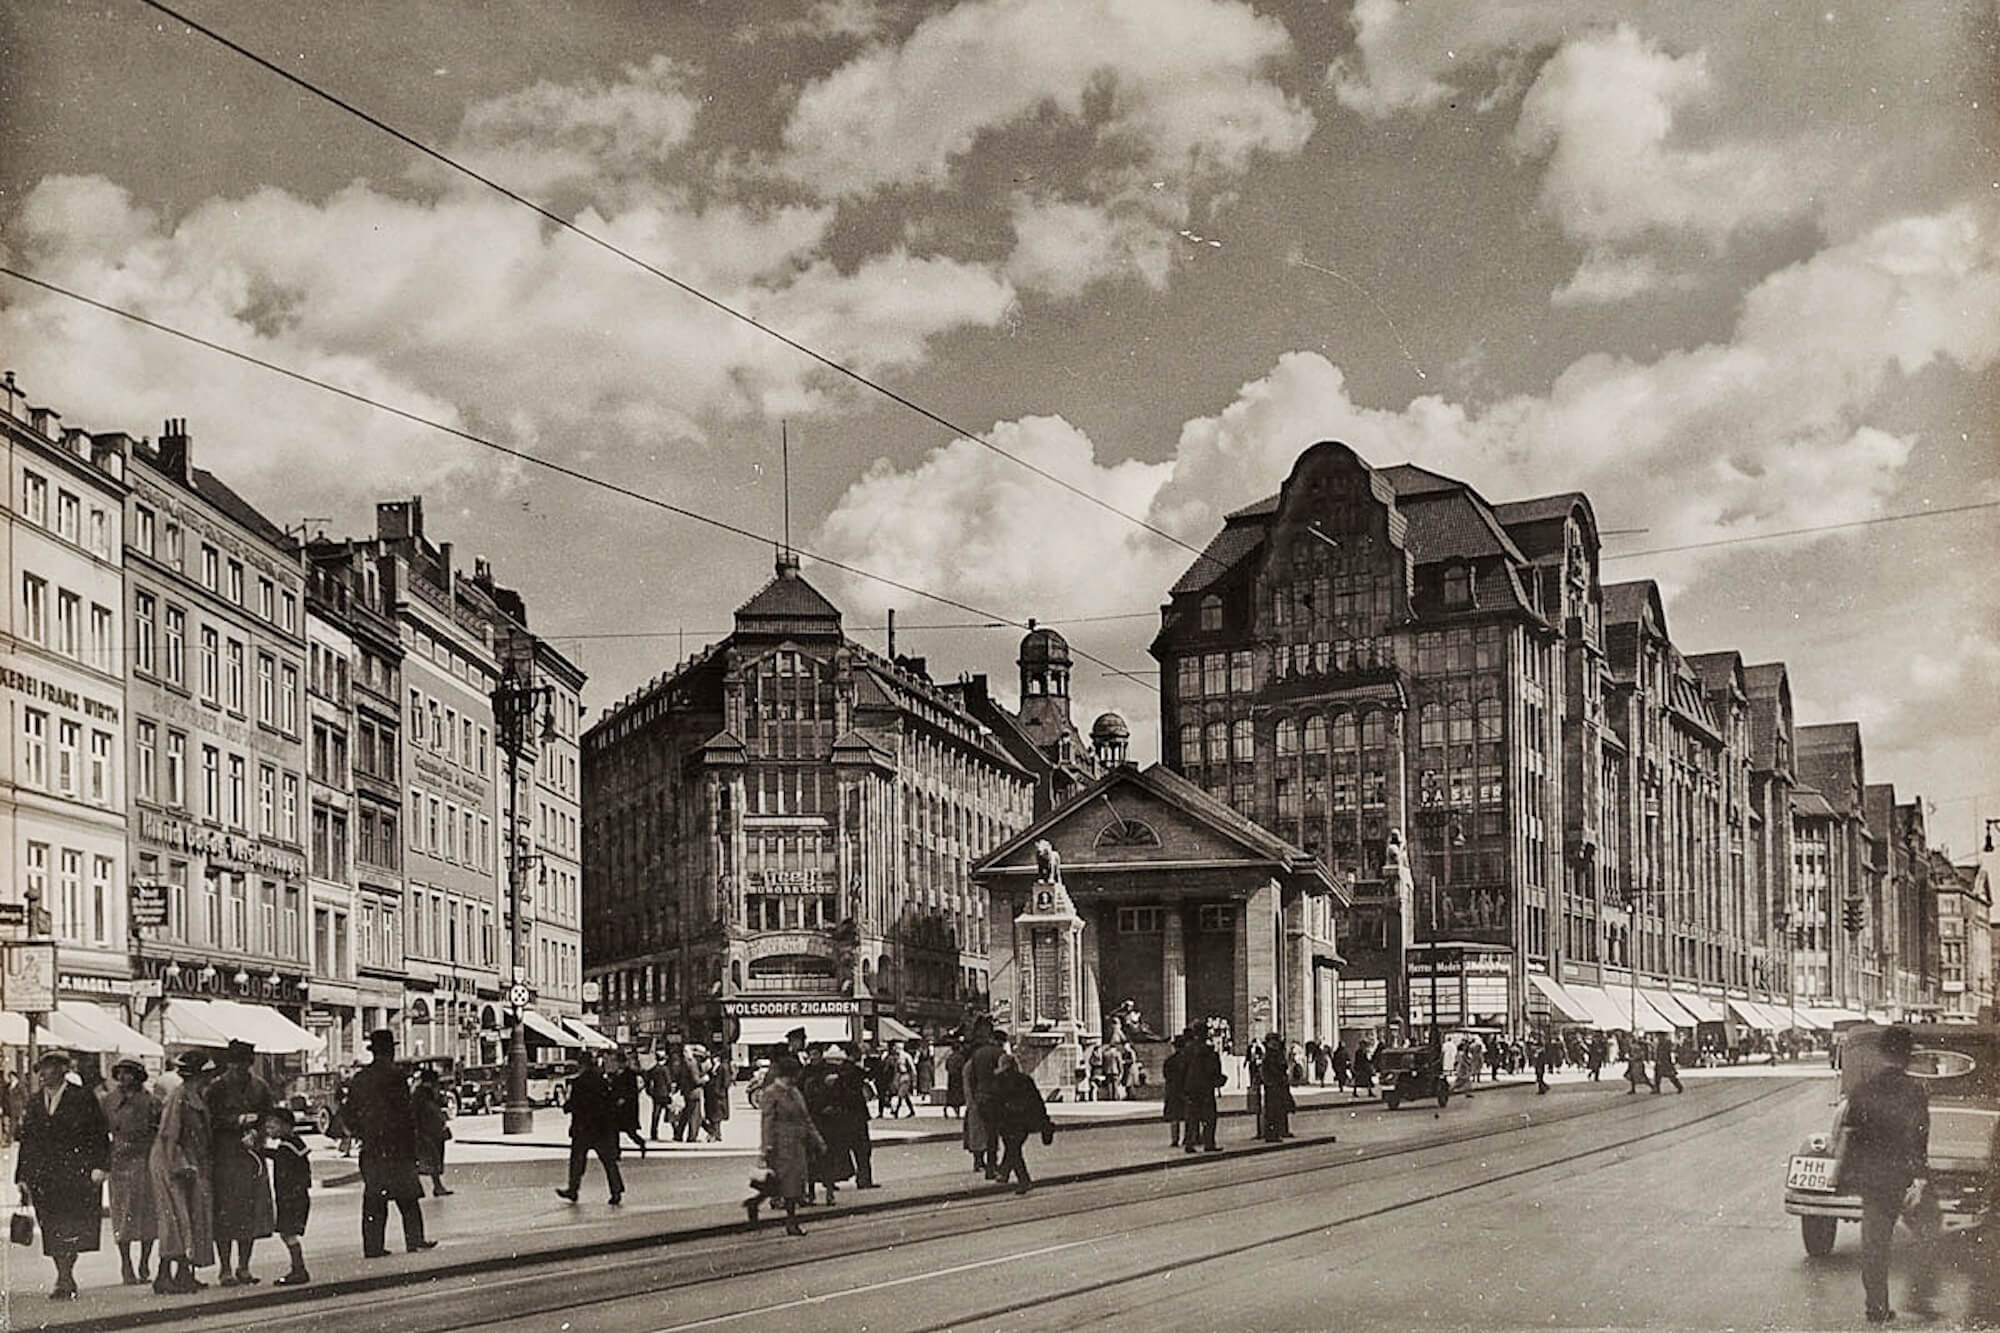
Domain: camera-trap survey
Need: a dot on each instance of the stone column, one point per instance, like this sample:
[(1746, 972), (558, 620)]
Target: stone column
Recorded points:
[(1091, 1011), (1173, 973)]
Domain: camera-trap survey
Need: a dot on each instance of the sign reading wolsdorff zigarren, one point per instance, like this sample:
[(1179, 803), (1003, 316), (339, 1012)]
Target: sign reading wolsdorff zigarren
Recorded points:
[(790, 1008)]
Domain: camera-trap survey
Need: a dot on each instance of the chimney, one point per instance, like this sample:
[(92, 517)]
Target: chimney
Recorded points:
[(176, 449), (396, 520), (109, 452), (16, 400), (46, 421)]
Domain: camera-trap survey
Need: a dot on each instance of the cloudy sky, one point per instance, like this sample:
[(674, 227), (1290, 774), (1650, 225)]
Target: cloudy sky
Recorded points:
[(1730, 269)]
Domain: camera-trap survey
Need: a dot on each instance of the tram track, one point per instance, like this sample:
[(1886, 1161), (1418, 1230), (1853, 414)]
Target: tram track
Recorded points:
[(442, 1305)]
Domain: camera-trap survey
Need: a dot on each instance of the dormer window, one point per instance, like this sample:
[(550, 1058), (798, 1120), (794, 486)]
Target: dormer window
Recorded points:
[(1211, 614), (1457, 586)]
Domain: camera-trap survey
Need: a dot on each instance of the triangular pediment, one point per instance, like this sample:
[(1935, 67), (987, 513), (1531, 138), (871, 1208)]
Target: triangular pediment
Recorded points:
[(1132, 817)]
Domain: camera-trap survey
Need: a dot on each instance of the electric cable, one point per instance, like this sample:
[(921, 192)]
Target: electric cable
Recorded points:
[(444, 159)]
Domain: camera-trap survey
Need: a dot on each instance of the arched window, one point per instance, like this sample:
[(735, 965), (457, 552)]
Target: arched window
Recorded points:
[(1190, 743), (1287, 736), (1315, 735), (1242, 741), (1216, 750), (1346, 732)]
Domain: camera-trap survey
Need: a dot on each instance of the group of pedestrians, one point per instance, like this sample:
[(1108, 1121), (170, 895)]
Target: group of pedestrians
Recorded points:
[(203, 1173), (689, 1090)]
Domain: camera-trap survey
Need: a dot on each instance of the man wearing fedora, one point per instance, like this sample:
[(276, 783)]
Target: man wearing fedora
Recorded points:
[(379, 1110), (183, 1188), (238, 1101), (65, 1153)]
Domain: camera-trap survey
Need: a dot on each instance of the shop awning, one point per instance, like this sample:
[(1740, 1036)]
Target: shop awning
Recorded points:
[(120, 1038), (13, 1028), (888, 1029), (1810, 1021), (264, 1028), (1668, 1006), (771, 1031), (591, 1038), (1605, 1012), (1567, 1007), (1704, 1009), (193, 1023), (551, 1032), (1752, 1015)]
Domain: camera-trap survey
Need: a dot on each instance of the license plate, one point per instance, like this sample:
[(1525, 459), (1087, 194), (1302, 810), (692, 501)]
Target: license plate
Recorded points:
[(1810, 1173)]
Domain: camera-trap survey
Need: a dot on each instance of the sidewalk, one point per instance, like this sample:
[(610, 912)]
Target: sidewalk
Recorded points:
[(504, 1212)]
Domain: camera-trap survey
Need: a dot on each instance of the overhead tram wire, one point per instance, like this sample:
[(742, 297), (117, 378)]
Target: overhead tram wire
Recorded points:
[(561, 469), (444, 159)]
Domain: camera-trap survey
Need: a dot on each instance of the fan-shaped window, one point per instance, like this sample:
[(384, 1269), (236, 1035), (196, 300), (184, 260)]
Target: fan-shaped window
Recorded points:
[(1128, 833)]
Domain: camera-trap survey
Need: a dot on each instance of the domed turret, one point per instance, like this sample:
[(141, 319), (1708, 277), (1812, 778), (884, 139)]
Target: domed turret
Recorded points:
[(1110, 736), (1044, 661)]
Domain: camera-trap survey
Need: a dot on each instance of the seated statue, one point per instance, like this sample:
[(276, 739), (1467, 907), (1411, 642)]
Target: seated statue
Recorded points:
[(1048, 862)]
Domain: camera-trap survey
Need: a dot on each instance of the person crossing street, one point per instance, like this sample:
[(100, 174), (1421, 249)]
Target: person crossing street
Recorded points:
[(593, 1128)]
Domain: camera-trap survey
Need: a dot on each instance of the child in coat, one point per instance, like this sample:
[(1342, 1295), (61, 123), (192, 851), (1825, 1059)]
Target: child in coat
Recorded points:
[(291, 1186)]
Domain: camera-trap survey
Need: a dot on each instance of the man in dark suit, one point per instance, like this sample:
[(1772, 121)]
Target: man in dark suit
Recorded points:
[(379, 1110), (1888, 1123), (593, 1127), (65, 1153), (1201, 1075)]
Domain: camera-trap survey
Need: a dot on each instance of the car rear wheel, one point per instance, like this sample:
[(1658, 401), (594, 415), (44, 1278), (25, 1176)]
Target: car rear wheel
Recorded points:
[(323, 1120), (1818, 1234)]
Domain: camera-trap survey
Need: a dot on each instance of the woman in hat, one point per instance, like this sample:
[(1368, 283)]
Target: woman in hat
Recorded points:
[(134, 1116), (183, 1183), (65, 1150), (244, 1211), (789, 1144)]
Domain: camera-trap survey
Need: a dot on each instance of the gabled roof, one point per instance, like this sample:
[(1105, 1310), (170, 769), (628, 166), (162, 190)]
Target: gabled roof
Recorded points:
[(1445, 525), (1625, 603), (1806, 801), (1411, 480), (1540, 509), (1718, 671), (1829, 736), (1222, 554), (216, 492), (1256, 508), (788, 605), (1175, 791), (1763, 679)]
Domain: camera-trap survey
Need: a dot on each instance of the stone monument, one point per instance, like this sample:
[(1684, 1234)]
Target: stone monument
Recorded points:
[(1049, 1034)]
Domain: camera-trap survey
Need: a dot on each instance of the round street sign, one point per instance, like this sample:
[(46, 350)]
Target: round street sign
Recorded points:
[(519, 995)]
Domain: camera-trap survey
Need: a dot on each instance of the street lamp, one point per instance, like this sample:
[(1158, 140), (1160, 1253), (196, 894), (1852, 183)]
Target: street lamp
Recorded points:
[(514, 703)]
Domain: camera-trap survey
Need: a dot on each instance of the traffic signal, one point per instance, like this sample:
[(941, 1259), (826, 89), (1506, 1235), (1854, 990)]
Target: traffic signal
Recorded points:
[(1850, 915)]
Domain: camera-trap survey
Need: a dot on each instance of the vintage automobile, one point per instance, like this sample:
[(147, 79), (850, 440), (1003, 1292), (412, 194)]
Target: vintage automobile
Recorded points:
[(1960, 1066), (311, 1098), (1412, 1073)]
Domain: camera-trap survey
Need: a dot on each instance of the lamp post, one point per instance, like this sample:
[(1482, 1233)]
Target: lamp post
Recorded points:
[(514, 701)]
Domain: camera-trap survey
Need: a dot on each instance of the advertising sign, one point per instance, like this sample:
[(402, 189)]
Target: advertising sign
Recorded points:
[(13, 914), (28, 978), (149, 904)]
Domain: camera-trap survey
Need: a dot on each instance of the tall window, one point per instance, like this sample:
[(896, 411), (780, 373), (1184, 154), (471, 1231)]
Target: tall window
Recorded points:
[(211, 568), (177, 770), (69, 625), (34, 748), (175, 546), (69, 894), (69, 741), (290, 829), (266, 599), (235, 699), (1242, 741), (142, 529), (145, 759), (173, 646), (236, 582), (103, 871), (69, 512), (145, 611), (288, 699), (103, 639), (100, 767), (35, 608), (267, 689), (35, 498), (211, 782), (100, 533), (288, 619), (267, 800), (211, 664)]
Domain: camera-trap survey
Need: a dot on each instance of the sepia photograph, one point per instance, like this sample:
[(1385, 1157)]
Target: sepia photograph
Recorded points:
[(919, 665)]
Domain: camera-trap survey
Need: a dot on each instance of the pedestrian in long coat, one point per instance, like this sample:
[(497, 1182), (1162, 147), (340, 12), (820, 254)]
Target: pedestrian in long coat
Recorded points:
[(433, 1129), (954, 1081), (1338, 1061), (980, 1064), (926, 1070), (1664, 1067), (853, 1092), (134, 1117), (244, 1212), (1278, 1103), (1173, 1101), (1018, 1111), (1364, 1067), (789, 1143), (827, 1100), (594, 1119), (183, 1179), (65, 1154), (1201, 1077), (623, 1076), (715, 1099), (379, 1111)]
